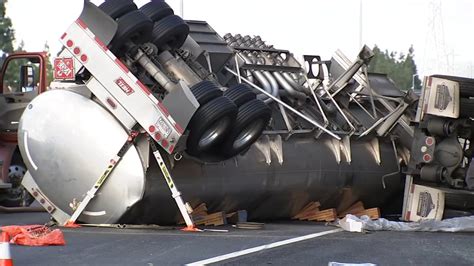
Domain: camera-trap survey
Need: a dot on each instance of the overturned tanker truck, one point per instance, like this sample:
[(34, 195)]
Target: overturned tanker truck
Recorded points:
[(239, 123)]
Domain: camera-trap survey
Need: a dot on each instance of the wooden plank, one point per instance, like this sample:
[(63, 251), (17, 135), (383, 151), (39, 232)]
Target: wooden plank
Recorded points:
[(200, 209), (308, 214), (218, 218), (373, 213), (356, 207), (347, 199), (198, 213), (237, 217), (310, 207), (216, 221), (327, 215)]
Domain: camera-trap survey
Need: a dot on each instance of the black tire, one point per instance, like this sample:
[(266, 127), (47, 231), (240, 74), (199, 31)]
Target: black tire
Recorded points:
[(117, 8), (170, 32), (466, 107), (205, 91), (251, 120), (157, 10), (133, 26), (218, 114), (240, 94)]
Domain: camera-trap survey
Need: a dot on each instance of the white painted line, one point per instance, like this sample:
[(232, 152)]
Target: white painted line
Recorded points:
[(263, 247)]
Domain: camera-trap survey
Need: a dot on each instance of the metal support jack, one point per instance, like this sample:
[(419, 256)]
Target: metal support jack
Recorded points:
[(190, 227), (71, 222)]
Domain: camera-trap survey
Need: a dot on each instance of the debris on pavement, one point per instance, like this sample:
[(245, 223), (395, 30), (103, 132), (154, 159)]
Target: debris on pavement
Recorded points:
[(352, 223)]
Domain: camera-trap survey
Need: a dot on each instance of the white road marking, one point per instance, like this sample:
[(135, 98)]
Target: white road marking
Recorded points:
[(263, 247)]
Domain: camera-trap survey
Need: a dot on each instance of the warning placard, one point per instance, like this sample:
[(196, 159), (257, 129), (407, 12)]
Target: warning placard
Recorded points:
[(64, 68)]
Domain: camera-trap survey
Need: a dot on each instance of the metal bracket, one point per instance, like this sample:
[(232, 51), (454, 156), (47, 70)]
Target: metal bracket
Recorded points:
[(346, 148), (29, 183), (374, 148), (276, 145), (335, 147), (263, 145)]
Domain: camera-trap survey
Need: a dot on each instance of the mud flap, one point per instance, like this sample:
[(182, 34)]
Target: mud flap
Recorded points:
[(103, 26)]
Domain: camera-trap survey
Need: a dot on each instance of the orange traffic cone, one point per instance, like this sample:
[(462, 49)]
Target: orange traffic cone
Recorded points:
[(5, 257)]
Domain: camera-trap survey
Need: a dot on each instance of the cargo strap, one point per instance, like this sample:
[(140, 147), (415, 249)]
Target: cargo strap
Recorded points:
[(174, 190), (101, 180)]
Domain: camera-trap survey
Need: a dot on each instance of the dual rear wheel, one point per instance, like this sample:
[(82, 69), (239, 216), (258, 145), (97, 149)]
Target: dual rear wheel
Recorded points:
[(226, 124), (154, 22), (224, 132)]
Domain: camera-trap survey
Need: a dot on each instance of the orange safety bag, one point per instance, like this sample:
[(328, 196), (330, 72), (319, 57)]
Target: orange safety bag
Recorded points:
[(34, 235)]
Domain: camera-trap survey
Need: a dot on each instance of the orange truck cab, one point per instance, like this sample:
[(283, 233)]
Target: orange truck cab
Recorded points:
[(23, 76)]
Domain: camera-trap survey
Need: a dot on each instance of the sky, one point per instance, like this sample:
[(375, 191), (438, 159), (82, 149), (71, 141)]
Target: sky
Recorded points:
[(440, 31)]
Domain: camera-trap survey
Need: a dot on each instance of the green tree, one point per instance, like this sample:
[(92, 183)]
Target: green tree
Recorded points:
[(399, 67), (12, 74), (49, 67), (7, 34)]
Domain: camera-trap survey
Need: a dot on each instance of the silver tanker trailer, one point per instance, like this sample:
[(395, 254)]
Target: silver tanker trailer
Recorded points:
[(239, 123)]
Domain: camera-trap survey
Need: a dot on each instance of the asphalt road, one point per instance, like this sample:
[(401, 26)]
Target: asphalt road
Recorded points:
[(106, 246)]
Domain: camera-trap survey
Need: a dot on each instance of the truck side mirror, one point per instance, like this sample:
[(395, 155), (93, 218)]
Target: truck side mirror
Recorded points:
[(27, 78)]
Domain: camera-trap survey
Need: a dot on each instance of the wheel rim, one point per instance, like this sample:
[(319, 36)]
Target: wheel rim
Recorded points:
[(214, 132), (17, 193), (248, 134), (16, 173)]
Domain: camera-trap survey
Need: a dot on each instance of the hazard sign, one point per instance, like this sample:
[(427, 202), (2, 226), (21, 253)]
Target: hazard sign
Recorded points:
[(64, 68)]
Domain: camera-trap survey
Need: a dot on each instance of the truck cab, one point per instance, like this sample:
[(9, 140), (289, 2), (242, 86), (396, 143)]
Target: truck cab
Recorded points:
[(23, 76)]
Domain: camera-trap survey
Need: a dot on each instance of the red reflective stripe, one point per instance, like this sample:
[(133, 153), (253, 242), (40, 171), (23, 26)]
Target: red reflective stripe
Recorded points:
[(179, 128), (121, 65), (163, 109), (63, 36), (81, 23), (143, 87), (101, 44)]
